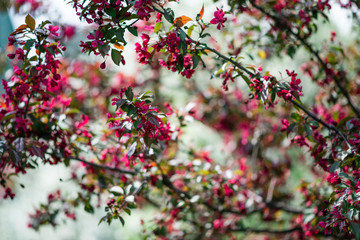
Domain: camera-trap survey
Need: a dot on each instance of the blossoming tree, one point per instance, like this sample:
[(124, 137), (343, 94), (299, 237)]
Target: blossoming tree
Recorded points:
[(140, 158)]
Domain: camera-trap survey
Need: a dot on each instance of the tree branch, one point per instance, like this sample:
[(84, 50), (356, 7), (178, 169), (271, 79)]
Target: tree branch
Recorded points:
[(114, 169), (273, 231)]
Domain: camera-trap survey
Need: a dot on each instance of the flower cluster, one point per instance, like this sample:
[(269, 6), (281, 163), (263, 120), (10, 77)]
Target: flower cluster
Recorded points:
[(294, 90), (219, 18)]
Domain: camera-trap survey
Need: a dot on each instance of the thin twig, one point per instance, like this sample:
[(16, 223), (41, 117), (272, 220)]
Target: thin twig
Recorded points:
[(328, 126)]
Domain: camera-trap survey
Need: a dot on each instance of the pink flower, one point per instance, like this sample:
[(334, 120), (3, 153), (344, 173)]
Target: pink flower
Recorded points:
[(218, 223), (322, 224), (218, 18), (69, 31), (228, 191), (54, 30)]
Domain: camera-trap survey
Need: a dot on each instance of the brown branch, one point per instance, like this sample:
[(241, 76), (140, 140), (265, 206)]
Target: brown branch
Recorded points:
[(114, 169), (272, 231)]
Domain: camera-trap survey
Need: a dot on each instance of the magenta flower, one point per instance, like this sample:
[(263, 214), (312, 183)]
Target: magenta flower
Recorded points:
[(218, 18)]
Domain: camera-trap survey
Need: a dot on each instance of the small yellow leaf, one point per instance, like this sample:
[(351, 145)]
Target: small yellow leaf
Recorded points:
[(181, 21), (262, 54), (30, 21)]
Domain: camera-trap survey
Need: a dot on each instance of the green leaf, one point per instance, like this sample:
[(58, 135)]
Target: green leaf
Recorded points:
[(104, 49), (120, 35), (133, 31), (273, 96), (159, 184), (295, 116), (349, 125), (183, 47), (136, 123), (131, 205), (144, 95), (291, 51), (29, 43), (129, 94), (180, 63), (341, 185), (350, 214), (104, 218), (51, 50), (308, 130), (246, 79), (169, 15), (128, 211), (347, 176), (116, 56), (88, 208), (182, 35), (206, 35), (131, 110), (111, 12), (119, 103), (71, 111), (291, 127), (152, 119), (195, 59), (15, 157), (355, 230), (122, 220), (8, 116), (334, 166), (148, 140), (347, 161), (314, 123)]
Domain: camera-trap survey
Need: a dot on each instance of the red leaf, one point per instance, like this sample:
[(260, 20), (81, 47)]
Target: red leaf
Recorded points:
[(201, 14)]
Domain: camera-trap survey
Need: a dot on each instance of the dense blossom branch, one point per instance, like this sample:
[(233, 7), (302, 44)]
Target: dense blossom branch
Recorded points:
[(51, 103), (281, 23)]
